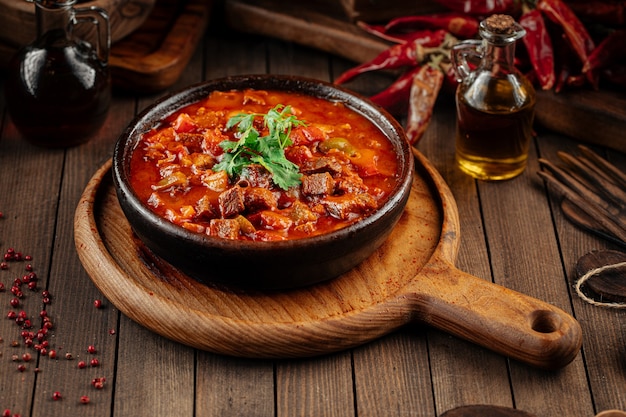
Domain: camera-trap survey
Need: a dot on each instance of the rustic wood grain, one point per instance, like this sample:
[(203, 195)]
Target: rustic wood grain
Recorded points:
[(153, 57), (603, 337), (461, 379), (485, 411), (417, 364), (29, 208)]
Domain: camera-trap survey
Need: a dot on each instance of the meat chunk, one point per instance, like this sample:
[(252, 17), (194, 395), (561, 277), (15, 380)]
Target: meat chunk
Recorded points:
[(224, 228), (323, 164), (350, 183), (349, 205), (256, 176), (192, 141), (204, 209), (231, 202), (257, 199), (321, 184)]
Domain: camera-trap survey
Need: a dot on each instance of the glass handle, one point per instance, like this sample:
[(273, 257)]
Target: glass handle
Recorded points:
[(100, 19), (465, 57)]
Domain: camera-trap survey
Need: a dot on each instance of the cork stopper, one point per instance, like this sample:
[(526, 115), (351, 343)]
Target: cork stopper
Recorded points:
[(500, 24)]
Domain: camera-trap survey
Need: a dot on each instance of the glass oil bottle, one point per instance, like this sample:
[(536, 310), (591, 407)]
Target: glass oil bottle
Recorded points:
[(495, 103), (58, 88)]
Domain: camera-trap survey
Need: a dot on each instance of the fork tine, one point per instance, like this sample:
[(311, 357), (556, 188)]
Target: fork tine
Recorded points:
[(618, 176), (600, 182)]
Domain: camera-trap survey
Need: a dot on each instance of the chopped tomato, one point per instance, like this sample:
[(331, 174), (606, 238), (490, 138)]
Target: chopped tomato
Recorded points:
[(307, 135), (184, 124)]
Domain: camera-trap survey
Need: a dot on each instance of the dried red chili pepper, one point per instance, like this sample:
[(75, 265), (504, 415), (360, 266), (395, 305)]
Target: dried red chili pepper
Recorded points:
[(539, 47), (576, 33), (610, 50), (458, 24), (397, 56), (395, 98), (480, 7), (564, 62), (425, 35), (424, 91), (603, 12)]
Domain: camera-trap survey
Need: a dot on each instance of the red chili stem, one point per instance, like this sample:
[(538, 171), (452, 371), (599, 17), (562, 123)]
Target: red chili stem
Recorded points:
[(479, 7), (424, 92), (610, 50), (539, 47), (576, 33), (458, 24), (395, 98)]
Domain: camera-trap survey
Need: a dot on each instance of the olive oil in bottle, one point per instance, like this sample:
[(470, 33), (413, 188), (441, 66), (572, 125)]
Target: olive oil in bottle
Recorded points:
[(495, 103)]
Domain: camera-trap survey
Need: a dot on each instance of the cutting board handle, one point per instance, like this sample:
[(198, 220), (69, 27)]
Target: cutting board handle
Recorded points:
[(508, 322)]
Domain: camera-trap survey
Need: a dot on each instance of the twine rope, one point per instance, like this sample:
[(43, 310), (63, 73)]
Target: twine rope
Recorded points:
[(591, 273)]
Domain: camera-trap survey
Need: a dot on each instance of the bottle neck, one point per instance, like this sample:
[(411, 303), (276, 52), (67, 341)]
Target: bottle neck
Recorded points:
[(499, 58), (54, 17)]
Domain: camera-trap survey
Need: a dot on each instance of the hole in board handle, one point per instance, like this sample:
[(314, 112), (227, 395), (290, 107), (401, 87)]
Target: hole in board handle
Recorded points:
[(545, 321)]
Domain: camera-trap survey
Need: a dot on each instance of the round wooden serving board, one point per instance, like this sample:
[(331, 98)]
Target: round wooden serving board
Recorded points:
[(411, 277)]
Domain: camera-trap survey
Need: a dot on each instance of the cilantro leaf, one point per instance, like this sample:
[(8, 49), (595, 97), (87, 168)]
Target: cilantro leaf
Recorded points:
[(267, 151)]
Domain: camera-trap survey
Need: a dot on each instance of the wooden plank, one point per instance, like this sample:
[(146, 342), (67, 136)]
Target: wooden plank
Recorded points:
[(29, 205), (234, 387), (460, 379), (596, 117), (510, 210), (391, 374), (309, 26), (603, 330), (318, 386)]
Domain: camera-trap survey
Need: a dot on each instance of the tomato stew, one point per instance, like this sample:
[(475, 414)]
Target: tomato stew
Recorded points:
[(347, 169)]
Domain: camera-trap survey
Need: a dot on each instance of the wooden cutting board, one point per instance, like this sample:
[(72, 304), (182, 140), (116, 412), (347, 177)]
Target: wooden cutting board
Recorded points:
[(411, 277), (596, 117), (153, 57)]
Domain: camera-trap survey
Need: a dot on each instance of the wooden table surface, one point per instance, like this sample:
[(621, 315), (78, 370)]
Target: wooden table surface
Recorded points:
[(513, 233)]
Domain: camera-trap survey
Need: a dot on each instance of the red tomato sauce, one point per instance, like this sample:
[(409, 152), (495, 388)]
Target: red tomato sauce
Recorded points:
[(348, 169)]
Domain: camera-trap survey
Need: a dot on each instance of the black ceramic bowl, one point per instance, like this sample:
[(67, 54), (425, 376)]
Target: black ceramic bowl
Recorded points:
[(261, 265)]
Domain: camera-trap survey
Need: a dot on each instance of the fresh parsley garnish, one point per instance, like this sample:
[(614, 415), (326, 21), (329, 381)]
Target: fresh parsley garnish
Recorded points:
[(267, 151)]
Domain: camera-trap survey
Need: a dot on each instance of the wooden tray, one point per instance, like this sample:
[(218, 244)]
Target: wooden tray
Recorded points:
[(597, 117), (153, 57), (411, 277)]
